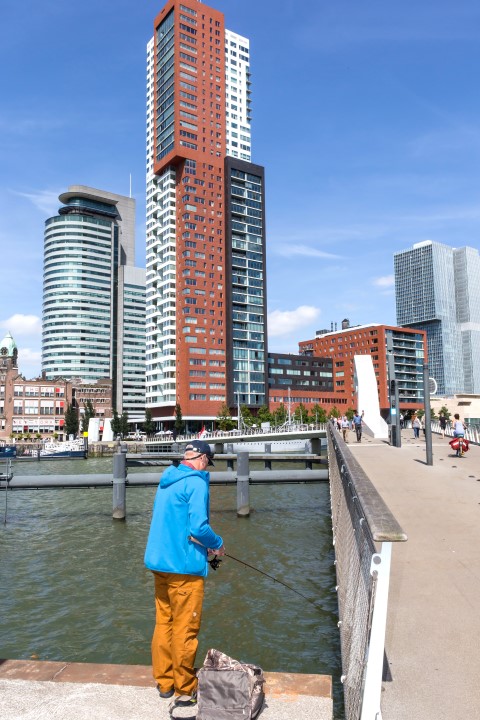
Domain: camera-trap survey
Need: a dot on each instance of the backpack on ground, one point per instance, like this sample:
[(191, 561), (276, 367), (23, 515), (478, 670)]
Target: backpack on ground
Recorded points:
[(229, 689)]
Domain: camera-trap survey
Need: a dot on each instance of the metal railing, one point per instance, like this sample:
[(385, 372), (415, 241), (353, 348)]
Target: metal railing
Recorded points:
[(363, 532), (245, 431)]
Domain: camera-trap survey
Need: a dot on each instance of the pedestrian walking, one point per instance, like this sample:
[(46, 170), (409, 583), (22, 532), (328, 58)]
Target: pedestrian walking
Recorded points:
[(357, 424), (443, 423), (345, 427), (416, 424), (179, 539)]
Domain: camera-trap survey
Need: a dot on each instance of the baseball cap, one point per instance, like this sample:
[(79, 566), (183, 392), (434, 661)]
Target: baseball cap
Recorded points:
[(201, 447)]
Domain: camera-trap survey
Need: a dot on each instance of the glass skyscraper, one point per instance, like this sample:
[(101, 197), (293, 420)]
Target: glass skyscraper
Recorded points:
[(93, 296), (436, 289)]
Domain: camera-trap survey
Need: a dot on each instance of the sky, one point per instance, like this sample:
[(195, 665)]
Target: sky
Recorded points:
[(366, 117)]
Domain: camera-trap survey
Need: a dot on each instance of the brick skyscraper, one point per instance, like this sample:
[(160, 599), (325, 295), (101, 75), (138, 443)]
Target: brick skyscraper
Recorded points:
[(206, 295)]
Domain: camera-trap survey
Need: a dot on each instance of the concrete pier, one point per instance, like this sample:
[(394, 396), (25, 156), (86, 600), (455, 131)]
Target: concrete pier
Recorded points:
[(33, 690)]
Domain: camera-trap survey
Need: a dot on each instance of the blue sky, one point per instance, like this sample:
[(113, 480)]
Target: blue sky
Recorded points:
[(365, 116)]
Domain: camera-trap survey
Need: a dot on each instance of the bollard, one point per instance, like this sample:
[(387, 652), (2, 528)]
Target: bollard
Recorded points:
[(243, 487), (119, 482), (268, 449)]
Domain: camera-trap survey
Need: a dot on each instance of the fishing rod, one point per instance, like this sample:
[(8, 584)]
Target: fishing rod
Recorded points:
[(215, 564)]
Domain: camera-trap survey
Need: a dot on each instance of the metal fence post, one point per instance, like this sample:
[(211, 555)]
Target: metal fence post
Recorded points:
[(380, 568), (427, 419), (243, 488), (119, 482)]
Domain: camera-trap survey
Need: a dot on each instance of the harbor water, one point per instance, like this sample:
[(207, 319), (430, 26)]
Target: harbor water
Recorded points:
[(73, 586)]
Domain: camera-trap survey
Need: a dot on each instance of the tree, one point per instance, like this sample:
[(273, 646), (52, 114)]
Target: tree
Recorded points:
[(420, 413), (224, 419), (433, 415), (71, 420), (445, 412), (247, 418), (301, 414), (334, 412), (280, 415), (350, 413), (124, 423), (148, 425), (89, 412), (319, 414), (179, 424), (264, 415), (116, 426)]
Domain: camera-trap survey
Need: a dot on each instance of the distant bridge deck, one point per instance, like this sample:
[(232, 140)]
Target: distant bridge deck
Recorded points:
[(298, 432), (433, 625)]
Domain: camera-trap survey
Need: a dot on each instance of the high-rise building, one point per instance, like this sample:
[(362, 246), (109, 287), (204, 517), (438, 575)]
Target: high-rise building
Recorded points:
[(206, 304), (437, 290), (93, 296)]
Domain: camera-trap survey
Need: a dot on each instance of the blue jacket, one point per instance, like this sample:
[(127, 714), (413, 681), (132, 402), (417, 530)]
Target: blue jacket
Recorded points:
[(181, 509)]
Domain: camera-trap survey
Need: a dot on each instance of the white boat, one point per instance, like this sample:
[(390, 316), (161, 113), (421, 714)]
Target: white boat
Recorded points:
[(276, 446), (68, 448)]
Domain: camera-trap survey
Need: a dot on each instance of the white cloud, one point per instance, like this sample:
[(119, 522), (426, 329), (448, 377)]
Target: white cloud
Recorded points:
[(22, 325), (29, 362), (44, 200), (386, 281), (29, 356), (283, 322), (304, 251)]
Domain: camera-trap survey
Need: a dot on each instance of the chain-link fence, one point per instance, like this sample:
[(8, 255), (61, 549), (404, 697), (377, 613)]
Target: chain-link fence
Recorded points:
[(362, 524)]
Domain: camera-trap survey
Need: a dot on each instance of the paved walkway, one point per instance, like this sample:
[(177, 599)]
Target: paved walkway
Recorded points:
[(33, 690), (433, 626)]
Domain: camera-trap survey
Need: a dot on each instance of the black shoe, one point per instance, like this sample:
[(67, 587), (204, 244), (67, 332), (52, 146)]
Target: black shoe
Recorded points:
[(167, 694), (184, 707)]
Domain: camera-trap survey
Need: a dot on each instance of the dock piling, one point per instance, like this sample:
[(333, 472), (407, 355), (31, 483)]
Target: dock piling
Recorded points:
[(119, 482), (229, 449), (243, 487), (268, 449)]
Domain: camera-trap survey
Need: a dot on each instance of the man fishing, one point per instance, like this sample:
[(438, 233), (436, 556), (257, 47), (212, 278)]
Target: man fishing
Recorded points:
[(176, 552)]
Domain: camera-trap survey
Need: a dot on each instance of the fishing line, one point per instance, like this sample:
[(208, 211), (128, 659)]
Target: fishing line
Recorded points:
[(215, 564)]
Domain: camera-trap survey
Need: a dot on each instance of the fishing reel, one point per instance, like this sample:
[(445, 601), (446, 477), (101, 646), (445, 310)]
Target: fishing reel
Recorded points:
[(215, 562)]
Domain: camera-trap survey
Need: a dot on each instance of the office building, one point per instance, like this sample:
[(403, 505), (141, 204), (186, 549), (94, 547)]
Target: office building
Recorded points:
[(437, 290), (407, 345), (93, 296), (295, 379), (205, 291)]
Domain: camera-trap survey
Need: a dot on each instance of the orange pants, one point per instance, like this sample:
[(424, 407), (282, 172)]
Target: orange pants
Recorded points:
[(178, 601)]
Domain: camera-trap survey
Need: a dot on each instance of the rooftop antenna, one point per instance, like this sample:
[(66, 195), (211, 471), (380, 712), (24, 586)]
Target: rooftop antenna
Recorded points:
[(130, 185)]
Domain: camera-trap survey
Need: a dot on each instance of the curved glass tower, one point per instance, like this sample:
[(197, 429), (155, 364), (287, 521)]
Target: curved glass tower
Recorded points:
[(88, 262)]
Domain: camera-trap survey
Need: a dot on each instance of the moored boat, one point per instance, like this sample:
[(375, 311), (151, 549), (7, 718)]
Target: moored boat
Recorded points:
[(67, 448)]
